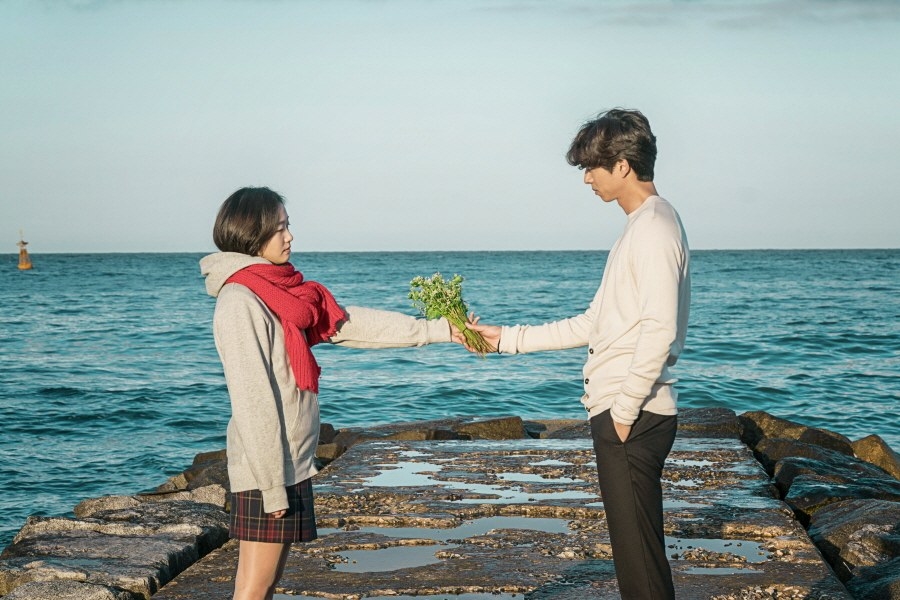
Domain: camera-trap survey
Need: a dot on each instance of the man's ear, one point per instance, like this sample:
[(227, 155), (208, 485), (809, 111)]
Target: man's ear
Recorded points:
[(622, 168)]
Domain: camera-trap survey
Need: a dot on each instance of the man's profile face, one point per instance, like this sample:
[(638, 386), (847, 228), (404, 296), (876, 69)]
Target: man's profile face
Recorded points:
[(603, 183)]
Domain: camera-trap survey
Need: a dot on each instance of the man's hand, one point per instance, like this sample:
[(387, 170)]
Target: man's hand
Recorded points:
[(623, 431), (490, 333)]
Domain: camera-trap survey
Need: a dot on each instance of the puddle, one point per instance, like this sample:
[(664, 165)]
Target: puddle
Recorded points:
[(684, 482), (404, 474), (550, 462), (407, 557), (469, 596), (466, 530), (388, 559), (686, 462), (679, 504), (718, 571), (535, 477), (667, 504), (413, 453), (416, 474), (517, 496), (752, 552)]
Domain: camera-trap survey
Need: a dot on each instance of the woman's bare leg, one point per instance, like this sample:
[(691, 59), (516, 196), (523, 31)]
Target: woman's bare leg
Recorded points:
[(260, 565)]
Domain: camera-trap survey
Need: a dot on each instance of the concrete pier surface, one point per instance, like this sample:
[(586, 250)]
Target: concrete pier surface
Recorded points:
[(522, 518)]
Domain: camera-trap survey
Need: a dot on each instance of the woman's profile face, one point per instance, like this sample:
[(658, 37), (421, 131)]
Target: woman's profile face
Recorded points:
[(278, 249)]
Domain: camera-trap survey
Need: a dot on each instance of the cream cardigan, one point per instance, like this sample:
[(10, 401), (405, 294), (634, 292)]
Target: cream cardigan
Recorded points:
[(635, 326)]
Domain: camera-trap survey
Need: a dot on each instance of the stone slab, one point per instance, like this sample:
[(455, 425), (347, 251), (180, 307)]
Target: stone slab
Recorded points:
[(470, 518)]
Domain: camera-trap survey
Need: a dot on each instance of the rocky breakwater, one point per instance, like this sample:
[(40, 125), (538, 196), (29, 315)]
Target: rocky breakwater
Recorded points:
[(846, 493), (493, 508)]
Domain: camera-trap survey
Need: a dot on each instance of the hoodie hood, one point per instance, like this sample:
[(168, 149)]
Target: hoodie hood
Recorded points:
[(218, 267)]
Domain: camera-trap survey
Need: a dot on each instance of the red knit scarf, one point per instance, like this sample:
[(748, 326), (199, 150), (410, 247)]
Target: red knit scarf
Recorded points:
[(304, 307)]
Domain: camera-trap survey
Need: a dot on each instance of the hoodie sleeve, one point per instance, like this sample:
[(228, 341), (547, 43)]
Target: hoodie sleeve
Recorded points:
[(373, 328)]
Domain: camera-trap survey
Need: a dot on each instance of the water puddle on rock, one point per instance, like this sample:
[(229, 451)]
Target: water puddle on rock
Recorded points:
[(388, 559), (405, 557), (687, 462), (536, 478), (469, 596), (668, 504), (718, 571), (706, 548), (418, 474)]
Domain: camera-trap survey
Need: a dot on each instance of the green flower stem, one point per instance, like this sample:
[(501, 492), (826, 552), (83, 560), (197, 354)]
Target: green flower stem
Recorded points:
[(436, 297)]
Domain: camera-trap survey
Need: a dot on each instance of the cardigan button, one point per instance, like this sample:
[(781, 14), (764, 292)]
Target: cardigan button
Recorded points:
[(587, 381), (590, 350)]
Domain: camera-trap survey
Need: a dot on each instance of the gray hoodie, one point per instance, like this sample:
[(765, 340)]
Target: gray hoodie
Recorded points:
[(274, 426)]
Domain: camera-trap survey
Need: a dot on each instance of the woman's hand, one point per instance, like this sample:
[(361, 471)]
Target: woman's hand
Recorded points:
[(278, 514)]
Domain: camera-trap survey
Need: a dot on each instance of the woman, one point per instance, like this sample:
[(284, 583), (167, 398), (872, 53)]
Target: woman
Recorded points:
[(266, 319)]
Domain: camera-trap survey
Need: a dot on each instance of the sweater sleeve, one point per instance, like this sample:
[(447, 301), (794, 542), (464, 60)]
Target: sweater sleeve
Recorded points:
[(373, 328), (657, 263), (244, 338), (557, 335)]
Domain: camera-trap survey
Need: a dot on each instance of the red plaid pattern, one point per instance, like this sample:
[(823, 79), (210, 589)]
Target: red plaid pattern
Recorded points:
[(250, 523)]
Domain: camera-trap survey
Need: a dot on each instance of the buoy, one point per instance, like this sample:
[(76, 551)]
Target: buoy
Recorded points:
[(24, 259)]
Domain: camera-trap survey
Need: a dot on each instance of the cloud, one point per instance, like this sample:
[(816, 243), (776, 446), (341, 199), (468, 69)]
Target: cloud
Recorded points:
[(717, 13)]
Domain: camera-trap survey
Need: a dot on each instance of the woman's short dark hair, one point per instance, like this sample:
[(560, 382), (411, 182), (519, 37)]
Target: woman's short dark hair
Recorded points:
[(247, 220), (612, 136)]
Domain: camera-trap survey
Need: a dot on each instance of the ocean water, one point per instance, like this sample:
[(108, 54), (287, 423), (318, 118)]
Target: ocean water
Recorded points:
[(110, 383)]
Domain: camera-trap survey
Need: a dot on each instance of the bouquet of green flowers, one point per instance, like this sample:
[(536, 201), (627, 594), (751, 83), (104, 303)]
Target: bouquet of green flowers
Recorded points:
[(436, 297)]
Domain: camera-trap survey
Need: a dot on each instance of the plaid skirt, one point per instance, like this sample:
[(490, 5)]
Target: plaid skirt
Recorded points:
[(250, 523)]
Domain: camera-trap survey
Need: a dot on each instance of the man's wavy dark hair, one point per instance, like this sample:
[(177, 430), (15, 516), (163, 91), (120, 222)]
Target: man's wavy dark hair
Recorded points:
[(612, 136)]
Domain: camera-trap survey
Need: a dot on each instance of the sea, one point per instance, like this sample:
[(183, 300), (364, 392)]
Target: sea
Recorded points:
[(110, 382)]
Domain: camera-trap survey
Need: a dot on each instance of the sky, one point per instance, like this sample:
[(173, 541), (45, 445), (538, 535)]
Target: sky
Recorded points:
[(395, 125)]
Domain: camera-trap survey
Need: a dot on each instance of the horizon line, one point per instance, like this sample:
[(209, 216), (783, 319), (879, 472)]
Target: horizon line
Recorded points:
[(760, 249)]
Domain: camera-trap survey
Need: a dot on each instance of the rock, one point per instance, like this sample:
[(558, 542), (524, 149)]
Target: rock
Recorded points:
[(326, 433), (208, 468), (141, 566), (211, 494), (127, 547), (135, 547), (811, 493), (502, 428), (881, 582), (759, 425), (328, 452), (708, 423), (86, 508), (873, 449), (846, 471), (769, 451), (857, 533), (568, 429), (457, 428), (62, 589), (523, 518)]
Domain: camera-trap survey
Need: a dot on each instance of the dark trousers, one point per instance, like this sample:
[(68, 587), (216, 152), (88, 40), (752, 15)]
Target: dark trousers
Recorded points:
[(630, 485)]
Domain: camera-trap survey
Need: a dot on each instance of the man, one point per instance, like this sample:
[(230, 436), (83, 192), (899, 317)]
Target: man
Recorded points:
[(634, 330)]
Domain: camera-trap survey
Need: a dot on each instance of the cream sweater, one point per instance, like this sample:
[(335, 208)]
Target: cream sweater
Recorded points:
[(274, 427), (635, 326)]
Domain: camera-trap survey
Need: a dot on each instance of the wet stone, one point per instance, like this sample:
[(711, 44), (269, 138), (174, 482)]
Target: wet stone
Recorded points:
[(875, 450), (481, 518)]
